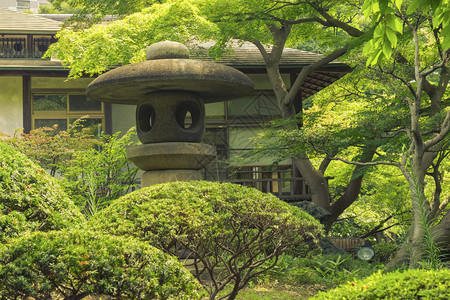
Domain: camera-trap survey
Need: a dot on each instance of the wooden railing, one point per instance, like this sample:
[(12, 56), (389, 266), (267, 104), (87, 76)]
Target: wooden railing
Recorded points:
[(281, 183), (23, 47)]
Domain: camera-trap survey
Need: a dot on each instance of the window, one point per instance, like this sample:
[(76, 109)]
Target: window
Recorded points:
[(63, 109)]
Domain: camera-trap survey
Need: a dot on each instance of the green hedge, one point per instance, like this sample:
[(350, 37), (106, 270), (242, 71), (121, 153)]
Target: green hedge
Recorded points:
[(30, 199), (78, 263), (166, 211), (222, 226), (410, 284)]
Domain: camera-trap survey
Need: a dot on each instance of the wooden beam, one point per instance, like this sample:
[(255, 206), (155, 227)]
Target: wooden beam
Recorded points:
[(26, 102)]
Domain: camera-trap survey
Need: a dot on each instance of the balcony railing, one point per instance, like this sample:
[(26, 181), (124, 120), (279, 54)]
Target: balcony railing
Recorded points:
[(281, 183), (23, 47)]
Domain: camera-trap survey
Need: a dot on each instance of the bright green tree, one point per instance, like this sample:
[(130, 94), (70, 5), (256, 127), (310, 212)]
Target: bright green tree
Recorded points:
[(413, 65)]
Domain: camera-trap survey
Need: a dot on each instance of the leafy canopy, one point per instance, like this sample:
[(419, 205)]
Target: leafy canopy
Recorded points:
[(98, 48), (390, 16)]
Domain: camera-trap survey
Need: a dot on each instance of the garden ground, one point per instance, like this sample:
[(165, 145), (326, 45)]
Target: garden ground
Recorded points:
[(278, 291)]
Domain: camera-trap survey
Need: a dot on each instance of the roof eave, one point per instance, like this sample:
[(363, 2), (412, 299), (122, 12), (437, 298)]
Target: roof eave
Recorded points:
[(6, 31)]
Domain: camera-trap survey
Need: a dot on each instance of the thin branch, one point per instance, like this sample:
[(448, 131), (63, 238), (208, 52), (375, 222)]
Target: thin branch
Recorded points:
[(363, 164), (261, 49), (404, 81), (352, 31), (393, 134), (289, 99), (445, 129), (435, 67), (443, 205)]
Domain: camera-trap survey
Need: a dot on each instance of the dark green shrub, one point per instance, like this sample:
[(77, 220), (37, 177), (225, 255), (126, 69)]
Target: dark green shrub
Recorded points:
[(30, 199), (384, 251), (410, 284), (78, 263), (226, 229)]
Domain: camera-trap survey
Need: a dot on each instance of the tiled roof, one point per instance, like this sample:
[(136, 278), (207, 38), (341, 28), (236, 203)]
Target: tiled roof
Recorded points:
[(18, 22), (248, 55)]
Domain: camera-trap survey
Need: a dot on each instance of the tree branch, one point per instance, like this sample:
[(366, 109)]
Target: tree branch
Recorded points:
[(364, 164), (445, 129), (331, 21), (290, 97)]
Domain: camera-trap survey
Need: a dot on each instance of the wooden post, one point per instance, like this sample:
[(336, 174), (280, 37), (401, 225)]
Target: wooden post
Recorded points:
[(26, 96)]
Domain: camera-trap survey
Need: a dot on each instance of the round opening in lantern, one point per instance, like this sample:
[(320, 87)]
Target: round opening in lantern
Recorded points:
[(188, 115), (145, 118)]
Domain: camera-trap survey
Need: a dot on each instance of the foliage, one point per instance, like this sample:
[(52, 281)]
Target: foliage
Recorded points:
[(431, 257), (101, 8), (328, 270), (384, 251), (410, 284), (62, 8), (50, 147), (389, 17), (227, 230), (93, 170), (126, 40), (99, 175), (78, 263), (30, 199)]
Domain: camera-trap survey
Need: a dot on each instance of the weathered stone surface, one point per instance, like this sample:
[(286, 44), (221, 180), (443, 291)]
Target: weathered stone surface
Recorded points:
[(167, 49), (317, 212), (171, 156), (130, 84), (163, 118), (161, 176)]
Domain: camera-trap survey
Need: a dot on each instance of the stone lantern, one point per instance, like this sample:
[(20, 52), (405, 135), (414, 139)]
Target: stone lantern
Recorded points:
[(170, 91)]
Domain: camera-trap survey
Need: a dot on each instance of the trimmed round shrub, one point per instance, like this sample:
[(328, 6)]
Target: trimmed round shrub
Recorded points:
[(78, 263), (409, 284), (227, 231), (30, 199)]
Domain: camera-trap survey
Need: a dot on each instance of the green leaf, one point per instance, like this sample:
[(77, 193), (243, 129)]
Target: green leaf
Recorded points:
[(392, 37), (398, 4), (370, 7), (446, 42), (413, 6), (379, 31), (368, 47), (383, 5), (434, 4), (387, 49), (373, 59), (399, 25)]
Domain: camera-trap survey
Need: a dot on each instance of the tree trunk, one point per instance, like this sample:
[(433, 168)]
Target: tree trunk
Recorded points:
[(441, 232), (316, 182), (412, 251)]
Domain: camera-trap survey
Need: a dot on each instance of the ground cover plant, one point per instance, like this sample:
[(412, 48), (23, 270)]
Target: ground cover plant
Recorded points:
[(78, 263), (30, 199), (409, 284), (227, 231), (326, 271)]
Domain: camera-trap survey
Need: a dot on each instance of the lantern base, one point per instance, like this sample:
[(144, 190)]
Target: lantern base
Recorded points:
[(161, 176)]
